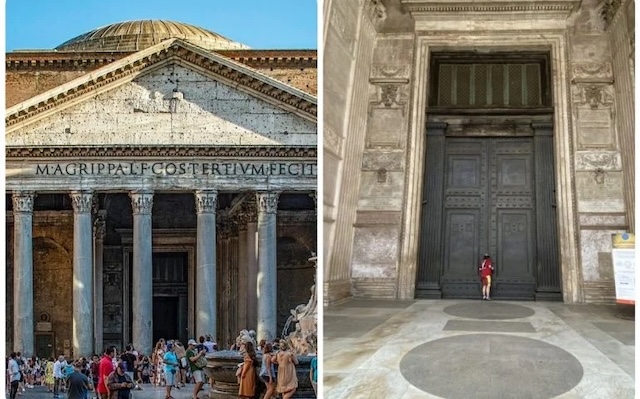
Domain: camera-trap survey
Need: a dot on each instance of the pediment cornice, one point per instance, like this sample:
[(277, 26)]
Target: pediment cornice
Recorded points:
[(107, 152), (431, 8), (126, 69)]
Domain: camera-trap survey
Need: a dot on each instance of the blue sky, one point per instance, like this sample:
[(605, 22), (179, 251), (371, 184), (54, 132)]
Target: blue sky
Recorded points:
[(260, 24)]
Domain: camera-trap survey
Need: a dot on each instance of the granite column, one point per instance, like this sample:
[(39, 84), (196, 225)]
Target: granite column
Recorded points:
[(100, 231), (82, 326), (267, 267), (142, 327), (206, 295), (23, 337)]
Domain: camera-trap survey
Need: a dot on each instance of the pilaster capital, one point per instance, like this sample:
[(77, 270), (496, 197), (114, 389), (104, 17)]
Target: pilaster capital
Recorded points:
[(141, 202), (206, 201), (82, 201), (100, 228), (267, 201), (376, 12), (23, 201)]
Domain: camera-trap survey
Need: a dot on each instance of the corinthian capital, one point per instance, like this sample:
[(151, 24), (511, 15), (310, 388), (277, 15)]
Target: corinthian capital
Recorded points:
[(267, 201), (23, 201), (206, 201), (141, 202), (82, 201)]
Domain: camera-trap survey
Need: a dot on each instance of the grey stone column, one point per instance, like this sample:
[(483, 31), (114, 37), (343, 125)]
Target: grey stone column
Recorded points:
[(243, 283), (23, 337), (98, 302), (252, 267), (82, 325), (142, 327), (206, 293), (267, 266)]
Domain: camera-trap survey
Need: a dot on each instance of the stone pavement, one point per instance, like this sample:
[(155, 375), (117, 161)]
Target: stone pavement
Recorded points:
[(148, 392), (474, 349)]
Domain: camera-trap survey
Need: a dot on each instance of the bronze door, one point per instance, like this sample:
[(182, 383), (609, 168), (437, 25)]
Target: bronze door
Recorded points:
[(480, 196)]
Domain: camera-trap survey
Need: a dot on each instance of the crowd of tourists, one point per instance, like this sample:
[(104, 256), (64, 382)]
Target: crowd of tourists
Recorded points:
[(171, 365)]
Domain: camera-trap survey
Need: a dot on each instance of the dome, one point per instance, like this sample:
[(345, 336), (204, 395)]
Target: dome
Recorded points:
[(138, 35)]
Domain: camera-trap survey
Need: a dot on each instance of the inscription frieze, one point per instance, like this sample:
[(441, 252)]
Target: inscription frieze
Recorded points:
[(162, 169)]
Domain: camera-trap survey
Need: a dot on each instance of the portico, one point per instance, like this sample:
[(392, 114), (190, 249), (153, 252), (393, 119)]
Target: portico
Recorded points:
[(172, 211)]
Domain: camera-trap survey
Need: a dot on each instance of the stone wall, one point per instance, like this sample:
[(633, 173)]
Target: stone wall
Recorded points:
[(53, 274), (381, 191), (603, 126), (21, 86), (349, 41)]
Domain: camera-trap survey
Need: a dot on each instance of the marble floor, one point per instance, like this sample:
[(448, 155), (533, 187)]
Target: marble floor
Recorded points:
[(466, 349)]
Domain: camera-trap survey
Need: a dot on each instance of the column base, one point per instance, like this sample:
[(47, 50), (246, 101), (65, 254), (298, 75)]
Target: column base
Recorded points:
[(336, 291)]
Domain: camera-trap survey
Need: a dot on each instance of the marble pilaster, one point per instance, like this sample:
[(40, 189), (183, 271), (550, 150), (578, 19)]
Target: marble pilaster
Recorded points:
[(98, 256), (82, 326), (142, 326), (267, 266), (206, 315), (23, 339)]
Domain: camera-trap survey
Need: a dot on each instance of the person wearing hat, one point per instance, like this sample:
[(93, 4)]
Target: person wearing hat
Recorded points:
[(170, 368), (486, 270), (119, 383), (193, 355)]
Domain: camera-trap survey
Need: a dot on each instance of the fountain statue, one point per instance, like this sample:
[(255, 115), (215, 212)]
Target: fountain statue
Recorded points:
[(222, 365)]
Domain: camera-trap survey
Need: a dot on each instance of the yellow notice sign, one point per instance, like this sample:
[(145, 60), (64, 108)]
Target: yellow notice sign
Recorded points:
[(624, 261)]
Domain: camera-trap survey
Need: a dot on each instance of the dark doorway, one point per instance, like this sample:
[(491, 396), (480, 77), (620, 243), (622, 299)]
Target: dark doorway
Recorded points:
[(44, 345), (482, 194), (165, 317)]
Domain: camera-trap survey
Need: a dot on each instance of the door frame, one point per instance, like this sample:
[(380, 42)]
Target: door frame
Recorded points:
[(553, 41)]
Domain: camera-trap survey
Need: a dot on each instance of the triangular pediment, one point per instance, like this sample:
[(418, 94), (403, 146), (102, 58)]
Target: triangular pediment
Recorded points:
[(172, 93)]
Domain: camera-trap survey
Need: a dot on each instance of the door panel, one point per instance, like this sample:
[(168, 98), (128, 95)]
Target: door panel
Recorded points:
[(489, 207)]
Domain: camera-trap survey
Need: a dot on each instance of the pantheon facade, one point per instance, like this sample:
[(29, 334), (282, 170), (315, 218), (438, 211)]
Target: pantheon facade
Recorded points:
[(456, 128), (160, 183)]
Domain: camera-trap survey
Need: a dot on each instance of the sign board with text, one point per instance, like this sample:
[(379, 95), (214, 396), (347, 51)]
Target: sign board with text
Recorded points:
[(624, 261)]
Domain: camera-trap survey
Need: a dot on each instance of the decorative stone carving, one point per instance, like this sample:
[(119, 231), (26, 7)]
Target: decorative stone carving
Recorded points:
[(100, 225), (595, 160), (592, 72), (206, 201), (267, 201), (23, 201), (390, 73), (389, 95), (593, 95), (82, 201), (376, 12), (250, 210), (609, 10), (142, 202)]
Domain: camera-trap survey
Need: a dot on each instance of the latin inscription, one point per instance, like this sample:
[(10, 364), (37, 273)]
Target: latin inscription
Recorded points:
[(176, 169)]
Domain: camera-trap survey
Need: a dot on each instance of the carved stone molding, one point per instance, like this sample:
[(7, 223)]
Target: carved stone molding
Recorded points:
[(496, 7), (267, 201), (162, 151), (376, 12), (206, 201), (82, 201), (23, 201), (142, 202), (389, 94), (598, 160), (609, 10), (592, 72)]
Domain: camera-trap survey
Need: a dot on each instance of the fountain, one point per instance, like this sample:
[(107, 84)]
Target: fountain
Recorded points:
[(222, 365)]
